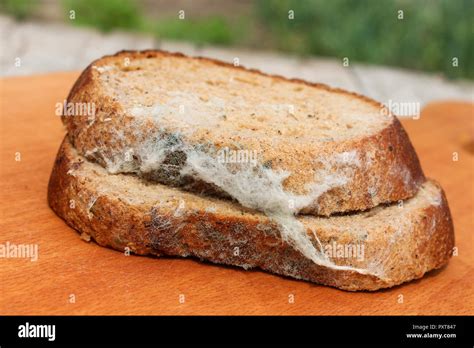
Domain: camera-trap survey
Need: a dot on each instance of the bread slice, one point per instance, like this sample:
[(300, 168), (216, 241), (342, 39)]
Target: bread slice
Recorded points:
[(379, 248), (272, 144)]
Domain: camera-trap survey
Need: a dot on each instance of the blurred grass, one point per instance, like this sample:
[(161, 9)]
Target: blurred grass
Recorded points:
[(106, 15), (19, 9), (430, 35), (212, 30)]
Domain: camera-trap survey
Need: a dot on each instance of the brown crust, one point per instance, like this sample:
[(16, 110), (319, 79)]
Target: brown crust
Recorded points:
[(395, 174), (152, 229)]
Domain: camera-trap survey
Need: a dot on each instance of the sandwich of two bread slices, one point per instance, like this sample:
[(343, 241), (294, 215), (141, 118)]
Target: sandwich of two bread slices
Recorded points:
[(195, 157)]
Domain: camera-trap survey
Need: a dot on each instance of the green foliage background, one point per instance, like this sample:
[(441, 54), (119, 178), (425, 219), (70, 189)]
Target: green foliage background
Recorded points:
[(106, 14), (20, 9), (431, 33)]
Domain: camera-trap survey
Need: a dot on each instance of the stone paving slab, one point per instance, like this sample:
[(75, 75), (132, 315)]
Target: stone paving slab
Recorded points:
[(399, 85)]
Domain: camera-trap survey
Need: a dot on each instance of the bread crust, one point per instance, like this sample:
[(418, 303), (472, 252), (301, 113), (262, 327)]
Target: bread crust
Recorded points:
[(113, 220), (394, 172)]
